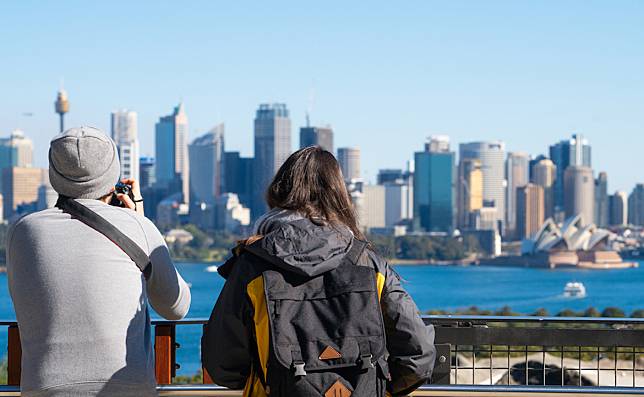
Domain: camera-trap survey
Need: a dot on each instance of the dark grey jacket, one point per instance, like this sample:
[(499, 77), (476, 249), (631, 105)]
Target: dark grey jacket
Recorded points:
[(232, 340)]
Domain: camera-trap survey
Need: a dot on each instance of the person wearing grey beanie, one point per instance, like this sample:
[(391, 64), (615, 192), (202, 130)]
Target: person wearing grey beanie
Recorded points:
[(80, 301)]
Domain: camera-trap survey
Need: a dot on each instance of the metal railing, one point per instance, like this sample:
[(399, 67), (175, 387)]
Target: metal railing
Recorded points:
[(477, 355)]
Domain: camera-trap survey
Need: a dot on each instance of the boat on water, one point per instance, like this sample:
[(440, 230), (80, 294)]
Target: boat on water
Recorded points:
[(574, 289), (211, 269)]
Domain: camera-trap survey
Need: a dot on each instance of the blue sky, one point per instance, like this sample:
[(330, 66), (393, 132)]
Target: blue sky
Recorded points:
[(384, 74)]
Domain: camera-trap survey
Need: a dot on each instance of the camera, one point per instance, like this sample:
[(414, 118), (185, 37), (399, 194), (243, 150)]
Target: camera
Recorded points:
[(121, 188)]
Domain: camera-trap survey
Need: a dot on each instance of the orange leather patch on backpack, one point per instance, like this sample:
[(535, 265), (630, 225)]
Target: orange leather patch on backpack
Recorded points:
[(338, 390), (330, 353)]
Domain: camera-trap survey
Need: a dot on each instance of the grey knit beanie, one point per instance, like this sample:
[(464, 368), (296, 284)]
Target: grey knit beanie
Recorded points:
[(83, 163)]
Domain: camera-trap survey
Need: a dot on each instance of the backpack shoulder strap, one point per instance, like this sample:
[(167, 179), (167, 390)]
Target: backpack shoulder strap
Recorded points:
[(356, 250), (101, 225)]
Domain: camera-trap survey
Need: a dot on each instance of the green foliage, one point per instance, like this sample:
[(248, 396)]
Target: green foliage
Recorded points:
[(591, 312), (419, 247), (3, 371), (189, 380), (567, 313), (541, 313), (638, 313), (613, 312), (204, 247)]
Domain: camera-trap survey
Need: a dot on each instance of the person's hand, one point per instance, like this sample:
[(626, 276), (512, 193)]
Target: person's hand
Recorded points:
[(137, 203)]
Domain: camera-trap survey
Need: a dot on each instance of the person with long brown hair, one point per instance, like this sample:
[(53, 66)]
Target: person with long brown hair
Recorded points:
[(308, 308)]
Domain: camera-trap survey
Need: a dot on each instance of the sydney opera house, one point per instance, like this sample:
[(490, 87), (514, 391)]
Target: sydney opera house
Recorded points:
[(571, 244)]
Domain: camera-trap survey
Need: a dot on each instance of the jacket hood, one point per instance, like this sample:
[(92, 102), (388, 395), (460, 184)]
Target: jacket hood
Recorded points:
[(298, 245)]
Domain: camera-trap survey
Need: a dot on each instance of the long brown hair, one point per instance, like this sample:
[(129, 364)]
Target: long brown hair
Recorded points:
[(311, 183)]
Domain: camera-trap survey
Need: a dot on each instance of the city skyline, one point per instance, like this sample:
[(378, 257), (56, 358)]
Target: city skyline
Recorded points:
[(500, 71)]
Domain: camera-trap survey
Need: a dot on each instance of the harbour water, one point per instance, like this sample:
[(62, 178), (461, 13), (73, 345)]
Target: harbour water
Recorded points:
[(434, 287)]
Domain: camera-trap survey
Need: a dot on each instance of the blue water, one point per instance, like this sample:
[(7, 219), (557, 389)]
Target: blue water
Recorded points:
[(434, 287)]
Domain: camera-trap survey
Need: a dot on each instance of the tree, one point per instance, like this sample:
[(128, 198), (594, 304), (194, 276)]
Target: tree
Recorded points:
[(592, 312), (567, 313), (541, 313), (638, 313), (613, 312)]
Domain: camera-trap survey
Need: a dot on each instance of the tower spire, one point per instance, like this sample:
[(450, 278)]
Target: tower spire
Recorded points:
[(62, 105)]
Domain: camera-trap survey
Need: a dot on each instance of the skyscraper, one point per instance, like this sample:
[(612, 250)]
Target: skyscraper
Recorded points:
[(272, 148), (206, 166), (517, 175), (125, 135), (601, 200), (492, 158), (469, 191), (635, 206), (579, 195), (618, 209), (147, 172), (20, 186), (349, 159), (16, 151), (317, 136), (434, 187), (543, 174), (569, 152), (172, 167), (529, 210), (238, 176)]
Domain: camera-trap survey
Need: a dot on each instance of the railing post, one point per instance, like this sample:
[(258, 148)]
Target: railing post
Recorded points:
[(164, 353), (14, 356), (442, 365), (207, 380)]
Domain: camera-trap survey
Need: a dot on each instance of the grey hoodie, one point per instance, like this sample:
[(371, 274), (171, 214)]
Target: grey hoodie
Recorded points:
[(294, 244), (82, 304)]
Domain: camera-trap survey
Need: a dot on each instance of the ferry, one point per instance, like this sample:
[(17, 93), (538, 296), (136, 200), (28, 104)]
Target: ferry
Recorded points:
[(211, 269), (574, 289)]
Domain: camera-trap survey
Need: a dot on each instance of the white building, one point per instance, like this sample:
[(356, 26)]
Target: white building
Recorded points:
[(370, 207), (230, 214), (399, 203), (125, 135), (349, 159), (492, 158)]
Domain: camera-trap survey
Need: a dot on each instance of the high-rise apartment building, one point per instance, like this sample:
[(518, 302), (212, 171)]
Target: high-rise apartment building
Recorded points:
[(601, 200), (579, 193), (517, 175), (399, 202), (469, 191), (125, 135), (147, 172), (349, 159), (19, 187), (172, 166), (544, 174), (207, 166), (635, 206), (529, 210), (434, 187), (618, 209), (272, 148), (492, 158), (16, 151), (389, 176), (371, 208), (238, 176), (317, 136), (575, 151)]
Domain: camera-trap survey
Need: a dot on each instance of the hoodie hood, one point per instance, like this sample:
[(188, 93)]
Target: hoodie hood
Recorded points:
[(294, 243)]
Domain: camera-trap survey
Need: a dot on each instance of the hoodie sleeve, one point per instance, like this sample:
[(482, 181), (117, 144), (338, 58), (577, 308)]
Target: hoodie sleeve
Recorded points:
[(410, 342), (225, 344)]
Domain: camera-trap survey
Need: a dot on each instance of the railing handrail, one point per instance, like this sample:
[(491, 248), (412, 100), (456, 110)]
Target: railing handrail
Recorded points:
[(450, 319), (429, 390)]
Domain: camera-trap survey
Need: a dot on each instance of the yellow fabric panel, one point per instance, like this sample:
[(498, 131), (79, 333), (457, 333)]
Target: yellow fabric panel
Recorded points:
[(380, 282), (254, 387), (255, 291)]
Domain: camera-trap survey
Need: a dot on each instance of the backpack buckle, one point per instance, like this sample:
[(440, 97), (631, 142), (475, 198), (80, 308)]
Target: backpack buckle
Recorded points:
[(365, 362), (299, 368)]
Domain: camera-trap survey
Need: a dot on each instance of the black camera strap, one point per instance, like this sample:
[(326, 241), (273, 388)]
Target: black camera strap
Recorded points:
[(101, 225)]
